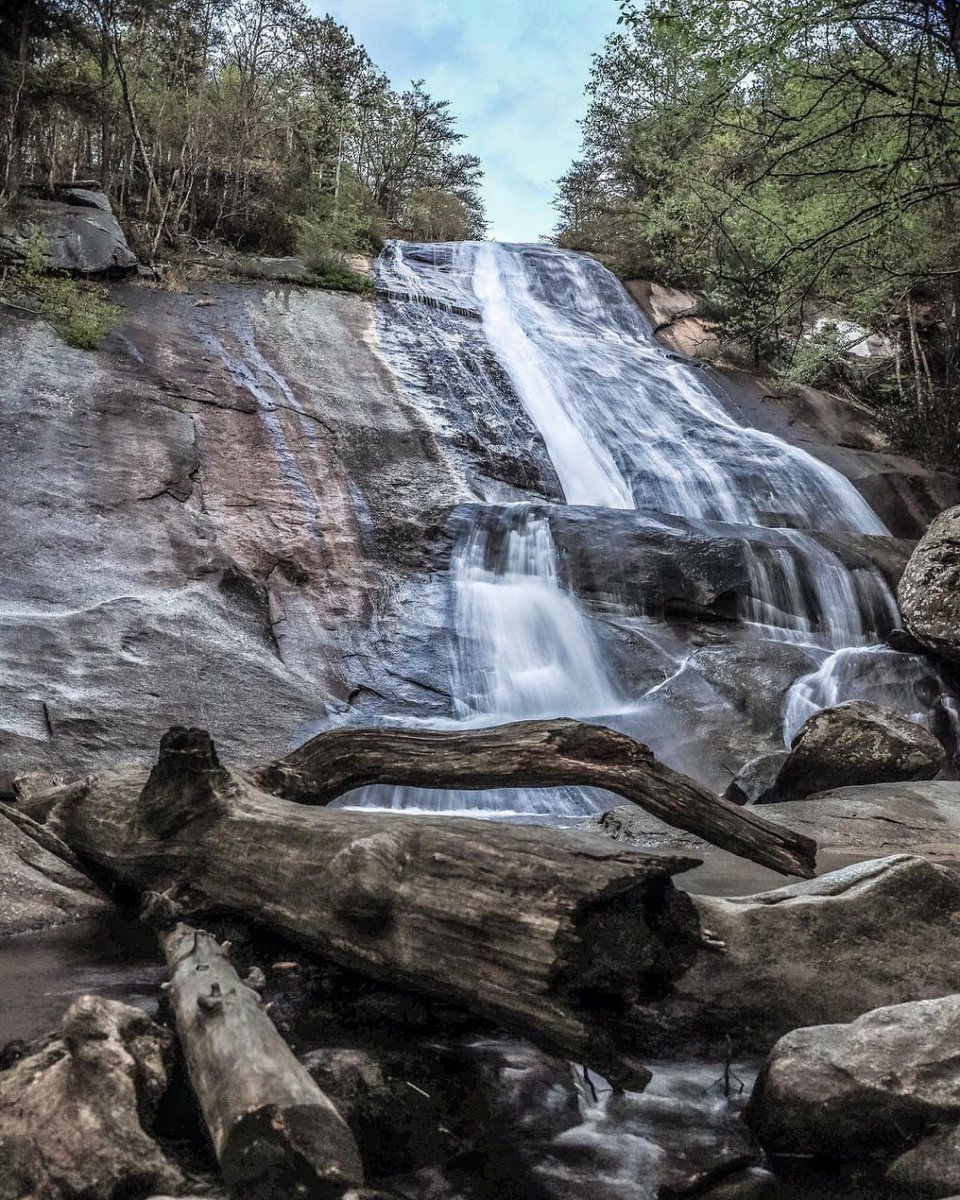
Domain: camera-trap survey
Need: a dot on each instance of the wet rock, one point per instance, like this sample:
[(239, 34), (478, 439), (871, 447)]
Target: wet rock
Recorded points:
[(674, 567), (84, 239), (919, 818), (251, 484), (754, 678), (870, 1088), (905, 643), (74, 1116), (756, 778), (905, 494), (856, 743), (41, 884), (871, 934), (929, 592)]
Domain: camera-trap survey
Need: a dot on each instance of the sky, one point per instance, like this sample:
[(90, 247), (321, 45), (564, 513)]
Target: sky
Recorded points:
[(514, 72)]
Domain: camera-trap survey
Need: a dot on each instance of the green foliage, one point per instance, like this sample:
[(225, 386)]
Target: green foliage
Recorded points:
[(777, 153), (434, 215), (324, 247), (223, 119), (815, 359), (79, 311)]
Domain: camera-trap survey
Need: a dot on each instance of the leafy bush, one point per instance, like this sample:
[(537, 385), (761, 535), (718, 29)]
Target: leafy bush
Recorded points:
[(323, 246), (80, 312)]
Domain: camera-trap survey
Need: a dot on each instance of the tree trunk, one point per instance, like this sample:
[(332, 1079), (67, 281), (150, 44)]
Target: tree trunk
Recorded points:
[(532, 754), (273, 1131), (552, 935)]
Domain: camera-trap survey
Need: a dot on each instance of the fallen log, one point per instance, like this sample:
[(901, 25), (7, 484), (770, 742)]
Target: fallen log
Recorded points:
[(553, 753), (550, 934), (273, 1131)]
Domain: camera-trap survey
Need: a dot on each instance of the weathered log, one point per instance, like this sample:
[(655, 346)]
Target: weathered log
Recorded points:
[(553, 935), (273, 1131), (553, 753)]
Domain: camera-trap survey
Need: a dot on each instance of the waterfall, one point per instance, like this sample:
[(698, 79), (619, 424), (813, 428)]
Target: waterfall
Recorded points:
[(625, 426)]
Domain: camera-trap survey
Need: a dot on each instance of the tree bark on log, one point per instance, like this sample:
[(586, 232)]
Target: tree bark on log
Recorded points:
[(273, 1131), (553, 753), (553, 935)]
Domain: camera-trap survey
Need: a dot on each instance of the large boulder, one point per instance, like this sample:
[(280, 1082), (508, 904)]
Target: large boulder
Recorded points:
[(916, 818), (929, 590), (72, 1114), (829, 949), (856, 743), (82, 238), (868, 1089), (40, 881)]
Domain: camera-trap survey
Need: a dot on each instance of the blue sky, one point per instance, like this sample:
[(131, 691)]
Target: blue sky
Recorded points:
[(514, 73)]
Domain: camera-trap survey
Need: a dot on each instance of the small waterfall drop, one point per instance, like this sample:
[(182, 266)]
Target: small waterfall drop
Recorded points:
[(522, 649)]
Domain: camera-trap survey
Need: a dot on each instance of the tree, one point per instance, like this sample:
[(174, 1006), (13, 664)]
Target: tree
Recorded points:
[(778, 153)]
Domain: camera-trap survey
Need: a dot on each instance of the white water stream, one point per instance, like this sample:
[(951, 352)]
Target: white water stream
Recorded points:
[(627, 426)]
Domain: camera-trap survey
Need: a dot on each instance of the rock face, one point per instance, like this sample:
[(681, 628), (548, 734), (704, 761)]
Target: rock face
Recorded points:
[(917, 818), (855, 743), (83, 238), (929, 592), (40, 883), (867, 1089), (233, 516), (206, 516), (72, 1114), (829, 949)]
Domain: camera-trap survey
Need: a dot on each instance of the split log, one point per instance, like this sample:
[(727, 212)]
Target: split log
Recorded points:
[(553, 753), (273, 1131), (550, 934)]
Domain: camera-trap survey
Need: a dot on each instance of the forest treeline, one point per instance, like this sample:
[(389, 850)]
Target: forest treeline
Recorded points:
[(249, 122), (784, 155)]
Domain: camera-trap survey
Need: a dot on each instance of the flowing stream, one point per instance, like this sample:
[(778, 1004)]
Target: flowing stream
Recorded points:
[(625, 426)]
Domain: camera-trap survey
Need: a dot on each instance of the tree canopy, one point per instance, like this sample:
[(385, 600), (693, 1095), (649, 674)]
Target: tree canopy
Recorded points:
[(784, 152), (233, 119)]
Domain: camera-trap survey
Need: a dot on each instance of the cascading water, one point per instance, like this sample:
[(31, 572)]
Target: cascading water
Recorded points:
[(625, 426), (523, 649)]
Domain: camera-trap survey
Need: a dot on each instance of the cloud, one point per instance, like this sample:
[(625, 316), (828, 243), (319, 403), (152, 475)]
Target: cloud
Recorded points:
[(514, 74)]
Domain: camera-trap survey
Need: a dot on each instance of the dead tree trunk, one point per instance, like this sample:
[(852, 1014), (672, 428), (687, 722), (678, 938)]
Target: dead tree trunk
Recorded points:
[(553, 935), (532, 754), (273, 1131)]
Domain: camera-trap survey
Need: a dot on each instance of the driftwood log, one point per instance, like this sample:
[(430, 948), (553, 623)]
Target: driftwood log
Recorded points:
[(273, 1131), (551, 935), (552, 753)]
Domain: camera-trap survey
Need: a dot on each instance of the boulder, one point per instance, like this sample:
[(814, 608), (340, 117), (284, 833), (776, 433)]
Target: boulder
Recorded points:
[(73, 1113), (867, 1089), (755, 779), (84, 197), (856, 743), (929, 591), (41, 884), (931, 1167), (874, 933), (84, 239), (919, 818)]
